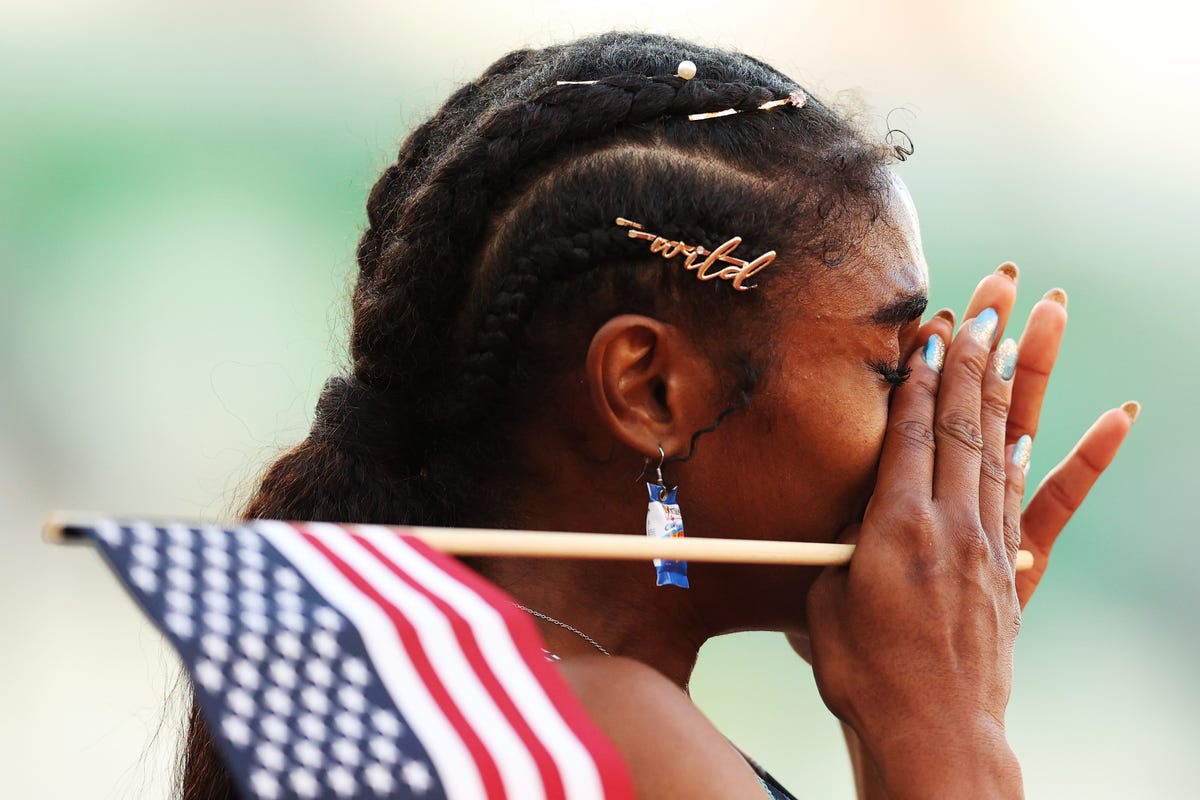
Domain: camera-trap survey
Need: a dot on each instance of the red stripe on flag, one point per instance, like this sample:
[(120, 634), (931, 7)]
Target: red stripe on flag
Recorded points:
[(614, 775), (488, 771), (470, 647)]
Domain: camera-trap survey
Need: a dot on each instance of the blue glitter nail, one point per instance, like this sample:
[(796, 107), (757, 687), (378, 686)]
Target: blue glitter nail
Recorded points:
[(935, 352), (983, 328), (1006, 359), (1023, 452)]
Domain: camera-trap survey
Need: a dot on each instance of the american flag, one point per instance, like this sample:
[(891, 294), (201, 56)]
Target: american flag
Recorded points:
[(350, 661)]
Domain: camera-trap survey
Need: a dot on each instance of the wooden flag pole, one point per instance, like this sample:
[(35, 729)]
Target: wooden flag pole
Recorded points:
[(64, 527)]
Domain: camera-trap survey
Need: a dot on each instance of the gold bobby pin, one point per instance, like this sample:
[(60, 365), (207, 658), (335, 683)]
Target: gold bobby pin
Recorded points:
[(797, 99), (736, 274), (687, 71)]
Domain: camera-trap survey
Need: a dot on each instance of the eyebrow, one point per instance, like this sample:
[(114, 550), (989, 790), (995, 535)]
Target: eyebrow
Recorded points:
[(901, 310)]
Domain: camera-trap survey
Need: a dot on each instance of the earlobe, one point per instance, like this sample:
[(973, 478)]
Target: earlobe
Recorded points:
[(647, 383)]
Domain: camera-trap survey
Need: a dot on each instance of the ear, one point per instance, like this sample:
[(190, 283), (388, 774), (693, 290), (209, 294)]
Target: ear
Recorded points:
[(649, 384)]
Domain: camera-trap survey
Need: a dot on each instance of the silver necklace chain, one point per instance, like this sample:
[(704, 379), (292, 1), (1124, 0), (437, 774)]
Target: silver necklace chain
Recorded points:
[(562, 624)]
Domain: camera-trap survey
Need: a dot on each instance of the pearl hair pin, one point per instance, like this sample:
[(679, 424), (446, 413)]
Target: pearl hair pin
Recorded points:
[(685, 70)]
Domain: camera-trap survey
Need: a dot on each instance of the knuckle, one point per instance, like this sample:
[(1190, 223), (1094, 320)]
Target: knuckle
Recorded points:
[(915, 433), (992, 472), (966, 537), (972, 545), (925, 383), (917, 517), (1089, 464), (995, 404), (1004, 576), (965, 429), (973, 365), (1061, 496), (1012, 533), (908, 516)]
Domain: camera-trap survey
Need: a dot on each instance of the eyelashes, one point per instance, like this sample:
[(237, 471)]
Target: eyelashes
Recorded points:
[(895, 374)]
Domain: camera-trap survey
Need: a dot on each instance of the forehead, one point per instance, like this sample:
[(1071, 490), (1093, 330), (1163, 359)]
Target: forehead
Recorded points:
[(888, 263)]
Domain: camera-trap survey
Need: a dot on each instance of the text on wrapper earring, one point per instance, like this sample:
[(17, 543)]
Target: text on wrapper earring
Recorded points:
[(663, 521)]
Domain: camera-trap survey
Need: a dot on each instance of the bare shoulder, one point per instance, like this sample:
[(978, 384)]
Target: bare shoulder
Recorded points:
[(670, 746)]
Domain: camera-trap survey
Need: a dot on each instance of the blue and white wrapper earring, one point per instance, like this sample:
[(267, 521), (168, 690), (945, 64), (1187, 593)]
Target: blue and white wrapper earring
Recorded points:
[(664, 521)]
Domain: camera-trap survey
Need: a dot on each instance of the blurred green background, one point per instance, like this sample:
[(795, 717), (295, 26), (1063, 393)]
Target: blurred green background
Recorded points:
[(181, 189)]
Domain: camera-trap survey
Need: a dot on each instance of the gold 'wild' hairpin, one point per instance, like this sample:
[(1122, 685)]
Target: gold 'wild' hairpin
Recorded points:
[(736, 273)]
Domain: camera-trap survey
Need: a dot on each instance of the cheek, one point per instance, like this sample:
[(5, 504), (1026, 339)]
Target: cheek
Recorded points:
[(812, 448), (803, 457), (853, 420)]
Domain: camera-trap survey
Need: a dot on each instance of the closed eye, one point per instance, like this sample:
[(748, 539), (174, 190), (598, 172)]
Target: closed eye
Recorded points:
[(895, 374), (900, 311)]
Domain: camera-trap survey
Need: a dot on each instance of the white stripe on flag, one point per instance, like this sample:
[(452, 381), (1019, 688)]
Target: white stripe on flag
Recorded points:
[(518, 771), (453, 762), (580, 776)]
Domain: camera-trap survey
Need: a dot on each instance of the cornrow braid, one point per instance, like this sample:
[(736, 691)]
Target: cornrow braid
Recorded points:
[(486, 366)]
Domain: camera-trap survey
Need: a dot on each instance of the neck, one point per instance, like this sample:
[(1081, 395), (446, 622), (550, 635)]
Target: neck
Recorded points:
[(614, 603)]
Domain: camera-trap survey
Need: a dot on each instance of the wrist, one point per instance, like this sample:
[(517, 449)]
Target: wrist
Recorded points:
[(970, 760)]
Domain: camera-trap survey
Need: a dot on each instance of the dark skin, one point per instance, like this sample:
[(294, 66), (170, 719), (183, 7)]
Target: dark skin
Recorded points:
[(826, 450)]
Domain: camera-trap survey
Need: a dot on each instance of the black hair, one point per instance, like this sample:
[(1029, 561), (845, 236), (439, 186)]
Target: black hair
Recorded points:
[(492, 255)]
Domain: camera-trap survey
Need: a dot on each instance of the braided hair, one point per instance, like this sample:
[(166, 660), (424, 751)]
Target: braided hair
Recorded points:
[(491, 257)]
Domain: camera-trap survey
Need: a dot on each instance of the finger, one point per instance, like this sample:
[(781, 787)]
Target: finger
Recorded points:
[(947, 315), (908, 444), (997, 291), (958, 436), (1017, 465), (942, 322), (993, 418), (1066, 486), (1037, 353)]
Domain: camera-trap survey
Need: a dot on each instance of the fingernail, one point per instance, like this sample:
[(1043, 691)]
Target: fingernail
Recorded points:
[(935, 352), (1006, 359), (1008, 270), (1057, 295), (1022, 452), (983, 328), (1132, 408), (945, 314)]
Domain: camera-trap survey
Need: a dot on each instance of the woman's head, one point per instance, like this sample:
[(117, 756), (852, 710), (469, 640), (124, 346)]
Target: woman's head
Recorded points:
[(497, 299)]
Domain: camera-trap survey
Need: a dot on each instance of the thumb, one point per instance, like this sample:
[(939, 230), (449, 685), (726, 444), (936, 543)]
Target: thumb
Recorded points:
[(799, 640)]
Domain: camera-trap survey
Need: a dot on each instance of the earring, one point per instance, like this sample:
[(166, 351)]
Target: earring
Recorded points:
[(663, 521)]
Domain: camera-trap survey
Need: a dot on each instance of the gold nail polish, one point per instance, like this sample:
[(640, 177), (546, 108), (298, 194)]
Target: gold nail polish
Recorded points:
[(1008, 270), (1057, 295), (1132, 408)]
